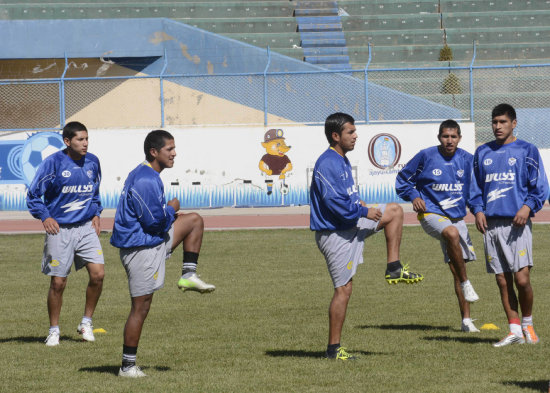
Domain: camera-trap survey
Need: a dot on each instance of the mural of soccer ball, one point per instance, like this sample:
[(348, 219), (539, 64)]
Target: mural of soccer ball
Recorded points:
[(36, 149)]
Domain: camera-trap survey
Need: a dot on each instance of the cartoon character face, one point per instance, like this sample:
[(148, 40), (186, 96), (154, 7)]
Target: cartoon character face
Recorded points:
[(276, 147)]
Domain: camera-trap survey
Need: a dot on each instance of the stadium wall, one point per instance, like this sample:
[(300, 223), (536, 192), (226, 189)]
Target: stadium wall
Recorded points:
[(219, 166), (194, 58)]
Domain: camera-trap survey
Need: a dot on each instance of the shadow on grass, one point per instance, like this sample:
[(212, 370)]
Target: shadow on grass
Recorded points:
[(311, 354), (465, 339), (409, 326), (537, 386), (295, 353), (114, 369), (34, 339)]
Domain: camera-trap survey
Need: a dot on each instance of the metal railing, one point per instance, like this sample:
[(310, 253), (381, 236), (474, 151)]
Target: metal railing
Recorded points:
[(371, 95)]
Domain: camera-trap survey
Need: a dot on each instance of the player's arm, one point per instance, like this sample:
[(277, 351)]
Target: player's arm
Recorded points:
[(537, 183), (96, 202), (336, 198), (475, 193), (481, 222), (405, 183), (38, 209), (153, 213)]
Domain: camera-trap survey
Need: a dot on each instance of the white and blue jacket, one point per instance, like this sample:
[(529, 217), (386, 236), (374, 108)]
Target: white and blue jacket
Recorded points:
[(70, 189), (335, 202), (442, 182), (506, 177), (142, 215)]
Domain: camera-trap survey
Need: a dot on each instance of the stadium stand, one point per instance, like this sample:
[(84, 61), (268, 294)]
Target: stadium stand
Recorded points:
[(335, 34)]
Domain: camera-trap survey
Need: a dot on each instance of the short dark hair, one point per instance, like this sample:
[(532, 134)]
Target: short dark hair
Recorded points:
[(155, 140), (71, 128), (449, 124), (335, 123), (504, 109)]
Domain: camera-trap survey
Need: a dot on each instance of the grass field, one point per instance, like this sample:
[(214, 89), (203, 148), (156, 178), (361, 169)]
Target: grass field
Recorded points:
[(265, 327)]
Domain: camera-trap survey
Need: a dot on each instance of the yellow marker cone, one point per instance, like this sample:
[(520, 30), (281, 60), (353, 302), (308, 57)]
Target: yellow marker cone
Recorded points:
[(100, 330), (489, 326)]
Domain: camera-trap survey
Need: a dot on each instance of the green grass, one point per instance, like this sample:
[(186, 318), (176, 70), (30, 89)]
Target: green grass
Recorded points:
[(265, 327)]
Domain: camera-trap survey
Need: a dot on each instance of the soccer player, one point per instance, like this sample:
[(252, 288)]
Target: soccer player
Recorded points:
[(147, 229), (508, 188), (437, 181), (342, 221), (69, 182)]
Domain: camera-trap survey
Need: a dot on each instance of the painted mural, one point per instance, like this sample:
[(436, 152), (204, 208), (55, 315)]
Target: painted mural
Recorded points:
[(228, 166)]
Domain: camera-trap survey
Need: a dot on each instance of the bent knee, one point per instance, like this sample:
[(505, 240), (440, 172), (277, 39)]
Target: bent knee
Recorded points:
[(450, 233), (197, 220), (394, 209)]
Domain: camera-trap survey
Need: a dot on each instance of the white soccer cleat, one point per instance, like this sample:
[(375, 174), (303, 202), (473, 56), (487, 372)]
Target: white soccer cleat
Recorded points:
[(52, 340), (469, 294), (132, 372), (469, 327), (194, 283), (87, 331), (511, 338)]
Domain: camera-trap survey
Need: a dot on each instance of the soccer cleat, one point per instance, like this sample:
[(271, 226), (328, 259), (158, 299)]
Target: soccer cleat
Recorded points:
[(469, 327), (87, 331), (52, 340), (341, 354), (530, 335), (403, 275), (511, 338), (469, 294), (132, 372), (194, 283)]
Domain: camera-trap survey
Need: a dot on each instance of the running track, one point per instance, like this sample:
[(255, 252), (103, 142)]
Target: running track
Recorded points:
[(231, 219)]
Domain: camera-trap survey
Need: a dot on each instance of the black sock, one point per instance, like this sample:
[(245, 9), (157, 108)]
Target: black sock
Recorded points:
[(128, 357), (393, 266), (190, 261), (331, 349)]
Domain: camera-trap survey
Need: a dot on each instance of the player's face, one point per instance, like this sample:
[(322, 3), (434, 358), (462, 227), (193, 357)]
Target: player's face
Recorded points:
[(449, 140), (77, 146), (346, 141), (165, 156), (503, 129)]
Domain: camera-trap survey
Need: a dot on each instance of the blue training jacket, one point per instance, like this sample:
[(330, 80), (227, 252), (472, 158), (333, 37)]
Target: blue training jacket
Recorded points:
[(506, 177), (442, 182), (70, 189), (142, 215), (335, 202)]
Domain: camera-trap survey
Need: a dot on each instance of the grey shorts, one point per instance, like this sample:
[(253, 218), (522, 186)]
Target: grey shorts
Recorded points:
[(76, 243), (434, 224), (507, 248), (145, 266), (343, 250)]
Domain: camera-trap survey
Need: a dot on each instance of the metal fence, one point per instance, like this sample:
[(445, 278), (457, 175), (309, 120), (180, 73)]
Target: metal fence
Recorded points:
[(372, 95)]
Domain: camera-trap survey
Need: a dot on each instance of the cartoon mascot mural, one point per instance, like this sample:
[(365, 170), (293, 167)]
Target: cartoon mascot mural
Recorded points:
[(275, 162)]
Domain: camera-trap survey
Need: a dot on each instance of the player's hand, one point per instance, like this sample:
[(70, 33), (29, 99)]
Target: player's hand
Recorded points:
[(419, 205), (374, 214), (521, 216), (481, 222), (96, 225), (51, 226), (174, 203)]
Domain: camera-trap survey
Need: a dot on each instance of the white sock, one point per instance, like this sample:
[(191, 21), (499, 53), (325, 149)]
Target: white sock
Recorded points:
[(54, 329), (516, 329), (465, 283), (467, 320), (86, 320), (526, 321)]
